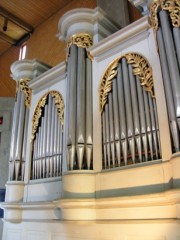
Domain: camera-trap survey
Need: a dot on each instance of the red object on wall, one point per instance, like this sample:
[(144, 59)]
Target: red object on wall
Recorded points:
[(1, 120)]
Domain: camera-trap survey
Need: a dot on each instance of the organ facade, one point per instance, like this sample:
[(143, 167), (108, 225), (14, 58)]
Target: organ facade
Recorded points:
[(95, 140)]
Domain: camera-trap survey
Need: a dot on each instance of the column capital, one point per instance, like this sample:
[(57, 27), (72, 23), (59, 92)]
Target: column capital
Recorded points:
[(27, 69), (88, 21)]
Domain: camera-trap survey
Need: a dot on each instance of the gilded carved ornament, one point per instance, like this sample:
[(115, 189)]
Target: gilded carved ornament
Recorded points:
[(82, 40), (59, 103), (23, 83), (140, 67), (172, 6)]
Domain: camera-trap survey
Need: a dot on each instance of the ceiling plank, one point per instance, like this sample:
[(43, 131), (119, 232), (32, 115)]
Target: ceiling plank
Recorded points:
[(7, 38), (16, 20)]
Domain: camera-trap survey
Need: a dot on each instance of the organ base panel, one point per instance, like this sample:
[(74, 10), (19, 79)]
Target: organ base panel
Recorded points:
[(100, 158)]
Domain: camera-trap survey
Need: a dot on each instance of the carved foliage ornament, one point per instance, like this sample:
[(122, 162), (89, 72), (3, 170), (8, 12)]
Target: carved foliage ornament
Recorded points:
[(82, 40), (23, 83), (38, 110), (172, 6), (140, 67)]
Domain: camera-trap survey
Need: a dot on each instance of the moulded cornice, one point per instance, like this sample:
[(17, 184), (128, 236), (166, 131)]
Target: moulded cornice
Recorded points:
[(124, 35), (48, 78), (27, 69), (83, 20)]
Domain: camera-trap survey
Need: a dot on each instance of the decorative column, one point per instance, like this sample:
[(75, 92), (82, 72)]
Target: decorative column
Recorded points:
[(22, 72), (79, 29)]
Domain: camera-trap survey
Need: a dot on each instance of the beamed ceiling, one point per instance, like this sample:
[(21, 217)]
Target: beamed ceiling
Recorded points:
[(19, 18)]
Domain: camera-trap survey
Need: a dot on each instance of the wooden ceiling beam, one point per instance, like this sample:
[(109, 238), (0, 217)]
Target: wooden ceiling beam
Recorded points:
[(16, 20)]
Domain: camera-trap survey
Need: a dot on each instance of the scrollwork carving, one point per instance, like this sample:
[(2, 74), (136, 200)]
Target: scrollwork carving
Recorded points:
[(140, 67), (82, 40), (38, 110), (172, 6), (23, 83)]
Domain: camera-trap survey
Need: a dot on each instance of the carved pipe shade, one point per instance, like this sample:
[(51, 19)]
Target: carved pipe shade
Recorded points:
[(141, 68), (59, 102)]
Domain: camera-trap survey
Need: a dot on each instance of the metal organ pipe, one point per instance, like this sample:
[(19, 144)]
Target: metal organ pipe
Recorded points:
[(172, 61), (135, 109), (128, 106), (71, 132), (122, 113), (116, 121), (89, 128), (80, 121), (111, 122)]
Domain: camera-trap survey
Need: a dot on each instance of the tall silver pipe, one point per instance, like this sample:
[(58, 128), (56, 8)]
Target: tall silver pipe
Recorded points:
[(61, 149), (11, 161), (49, 109), (44, 130), (142, 117), (176, 35), (34, 157), (68, 92), (104, 139), (168, 90), (14, 136), (157, 126), (135, 111), (38, 153), (171, 58), (55, 143), (111, 123), (107, 135), (80, 117), (128, 105), (153, 126), (20, 132), (122, 113), (116, 121), (58, 148), (89, 127), (24, 142), (52, 137), (72, 109), (148, 123), (15, 125)]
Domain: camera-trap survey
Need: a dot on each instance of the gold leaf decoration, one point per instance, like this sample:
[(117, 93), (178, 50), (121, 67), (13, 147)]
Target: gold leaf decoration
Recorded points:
[(106, 83), (82, 40), (141, 68), (172, 6), (38, 110), (23, 83)]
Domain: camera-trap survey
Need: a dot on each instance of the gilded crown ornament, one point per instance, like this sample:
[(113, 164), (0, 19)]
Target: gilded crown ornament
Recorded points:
[(82, 40)]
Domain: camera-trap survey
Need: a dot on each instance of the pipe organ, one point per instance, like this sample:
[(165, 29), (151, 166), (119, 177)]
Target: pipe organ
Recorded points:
[(95, 137), (166, 21), (130, 132), (47, 136), (79, 139)]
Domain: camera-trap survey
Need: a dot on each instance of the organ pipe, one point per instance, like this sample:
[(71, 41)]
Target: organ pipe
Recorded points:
[(80, 121)]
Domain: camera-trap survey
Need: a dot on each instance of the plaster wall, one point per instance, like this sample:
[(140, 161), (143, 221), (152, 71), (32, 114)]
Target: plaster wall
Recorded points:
[(6, 107)]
